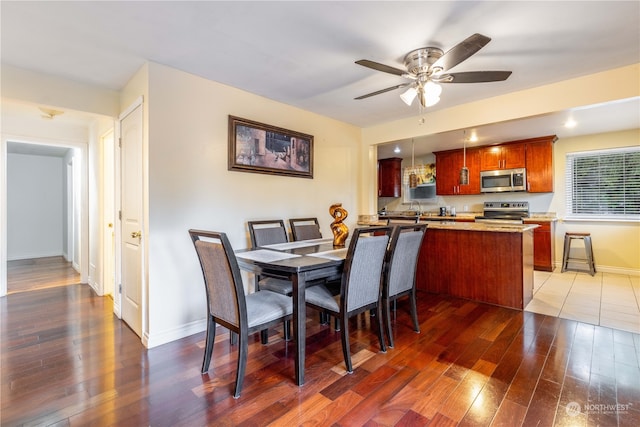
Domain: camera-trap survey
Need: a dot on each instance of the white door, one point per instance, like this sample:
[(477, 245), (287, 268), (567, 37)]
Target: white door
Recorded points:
[(108, 219), (131, 222)]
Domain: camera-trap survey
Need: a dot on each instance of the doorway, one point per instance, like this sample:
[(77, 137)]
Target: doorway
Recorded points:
[(45, 201)]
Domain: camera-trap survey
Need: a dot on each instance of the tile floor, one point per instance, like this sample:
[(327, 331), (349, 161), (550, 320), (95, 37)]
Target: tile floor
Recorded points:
[(606, 299)]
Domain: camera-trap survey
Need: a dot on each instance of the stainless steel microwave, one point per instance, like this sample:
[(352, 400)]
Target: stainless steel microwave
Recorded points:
[(503, 180)]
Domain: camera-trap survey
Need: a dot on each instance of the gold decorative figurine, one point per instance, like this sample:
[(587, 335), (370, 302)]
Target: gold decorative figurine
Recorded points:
[(340, 230)]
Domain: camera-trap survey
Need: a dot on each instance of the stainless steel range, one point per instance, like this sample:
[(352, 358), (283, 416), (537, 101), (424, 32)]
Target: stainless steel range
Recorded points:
[(504, 212)]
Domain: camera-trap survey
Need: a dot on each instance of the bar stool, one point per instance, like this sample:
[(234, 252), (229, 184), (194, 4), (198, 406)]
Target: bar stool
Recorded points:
[(586, 238)]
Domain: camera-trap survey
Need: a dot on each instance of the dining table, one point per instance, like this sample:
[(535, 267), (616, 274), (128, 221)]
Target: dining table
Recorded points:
[(302, 262)]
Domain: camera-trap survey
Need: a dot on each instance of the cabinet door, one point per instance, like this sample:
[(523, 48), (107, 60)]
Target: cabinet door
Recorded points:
[(508, 156), (473, 164), (539, 158), (389, 177), (490, 158), (445, 179), (543, 245), (513, 156)]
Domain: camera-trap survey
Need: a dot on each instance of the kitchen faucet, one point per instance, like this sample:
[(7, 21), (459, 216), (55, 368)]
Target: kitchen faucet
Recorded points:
[(419, 207)]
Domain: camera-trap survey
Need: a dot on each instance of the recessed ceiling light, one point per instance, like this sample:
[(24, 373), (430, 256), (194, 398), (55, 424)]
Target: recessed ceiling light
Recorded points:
[(570, 123), (396, 150)]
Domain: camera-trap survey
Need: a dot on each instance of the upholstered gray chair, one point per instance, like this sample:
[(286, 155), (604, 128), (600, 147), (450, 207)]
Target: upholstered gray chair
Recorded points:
[(361, 285), (305, 228), (400, 271), (227, 304), (269, 232)]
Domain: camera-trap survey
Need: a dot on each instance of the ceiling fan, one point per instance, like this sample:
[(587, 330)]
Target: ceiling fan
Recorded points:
[(428, 66)]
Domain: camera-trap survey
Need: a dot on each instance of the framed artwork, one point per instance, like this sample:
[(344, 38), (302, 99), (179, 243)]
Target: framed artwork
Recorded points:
[(260, 148)]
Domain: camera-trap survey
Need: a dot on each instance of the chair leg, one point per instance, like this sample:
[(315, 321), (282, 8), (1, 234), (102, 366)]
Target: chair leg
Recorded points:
[(337, 324), (208, 347), (387, 320), (383, 346), (243, 349), (565, 253), (324, 318), (414, 311), (287, 330), (233, 338), (264, 336), (589, 253), (346, 352)]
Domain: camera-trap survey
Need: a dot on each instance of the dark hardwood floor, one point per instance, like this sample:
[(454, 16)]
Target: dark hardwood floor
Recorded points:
[(67, 361), (39, 273)]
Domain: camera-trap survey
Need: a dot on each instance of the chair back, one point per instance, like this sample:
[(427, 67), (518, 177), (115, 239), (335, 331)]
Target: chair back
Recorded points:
[(362, 275), (267, 232), (402, 260), (305, 228), (222, 279)]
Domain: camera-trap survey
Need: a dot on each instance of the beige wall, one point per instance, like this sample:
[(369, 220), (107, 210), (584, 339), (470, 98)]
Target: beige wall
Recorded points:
[(616, 245), (189, 185)]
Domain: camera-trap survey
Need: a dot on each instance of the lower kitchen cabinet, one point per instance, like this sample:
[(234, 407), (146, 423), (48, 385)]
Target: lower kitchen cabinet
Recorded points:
[(543, 245)]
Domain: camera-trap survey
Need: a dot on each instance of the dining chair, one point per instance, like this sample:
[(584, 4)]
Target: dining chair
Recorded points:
[(400, 272), (361, 285), (227, 304), (269, 232), (403, 221), (305, 228)]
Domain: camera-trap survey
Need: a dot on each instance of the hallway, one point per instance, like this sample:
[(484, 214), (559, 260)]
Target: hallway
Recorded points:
[(40, 273)]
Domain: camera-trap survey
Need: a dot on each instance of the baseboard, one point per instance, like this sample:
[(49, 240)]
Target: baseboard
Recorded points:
[(154, 340), (604, 269), (33, 256)]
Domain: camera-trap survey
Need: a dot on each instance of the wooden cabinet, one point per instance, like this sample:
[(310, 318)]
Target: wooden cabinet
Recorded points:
[(448, 165), (539, 161), (504, 156), (543, 245), (390, 177), (488, 266)]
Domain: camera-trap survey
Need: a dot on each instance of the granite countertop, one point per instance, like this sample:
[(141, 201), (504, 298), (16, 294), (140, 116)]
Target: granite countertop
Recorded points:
[(433, 217), (464, 226), (482, 226)]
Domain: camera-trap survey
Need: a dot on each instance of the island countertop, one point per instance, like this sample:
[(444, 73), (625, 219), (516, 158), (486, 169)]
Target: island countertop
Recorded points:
[(481, 226)]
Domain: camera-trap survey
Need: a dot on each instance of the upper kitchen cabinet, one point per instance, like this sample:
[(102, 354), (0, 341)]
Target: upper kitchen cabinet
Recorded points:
[(539, 160), (390, 177), (448, 165), (504, 156)]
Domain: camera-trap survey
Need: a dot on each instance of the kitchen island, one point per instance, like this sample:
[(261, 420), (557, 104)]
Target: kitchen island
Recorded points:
[(483, 262)]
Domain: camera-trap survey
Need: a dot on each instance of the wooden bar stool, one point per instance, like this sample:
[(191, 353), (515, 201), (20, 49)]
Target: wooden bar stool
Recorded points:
[(586, 238)]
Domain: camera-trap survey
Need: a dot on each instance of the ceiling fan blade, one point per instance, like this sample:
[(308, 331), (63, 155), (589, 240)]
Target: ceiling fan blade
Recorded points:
[(378, 92), (381, 67), (461, 51), (473, 77)]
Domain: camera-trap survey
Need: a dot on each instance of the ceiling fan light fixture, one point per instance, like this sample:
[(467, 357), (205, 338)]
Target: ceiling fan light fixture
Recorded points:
[(432, 93), (409, 95)]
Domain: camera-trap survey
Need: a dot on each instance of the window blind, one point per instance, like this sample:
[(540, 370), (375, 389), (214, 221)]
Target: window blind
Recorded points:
[(604, 184)]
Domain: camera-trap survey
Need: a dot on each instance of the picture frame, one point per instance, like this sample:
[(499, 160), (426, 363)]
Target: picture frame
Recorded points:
[(260, 148)]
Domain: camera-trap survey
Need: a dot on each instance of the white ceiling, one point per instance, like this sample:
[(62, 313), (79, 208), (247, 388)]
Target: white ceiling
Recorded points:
[(302, 53)]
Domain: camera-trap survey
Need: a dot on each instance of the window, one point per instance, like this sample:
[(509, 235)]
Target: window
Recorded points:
[(604, 184)]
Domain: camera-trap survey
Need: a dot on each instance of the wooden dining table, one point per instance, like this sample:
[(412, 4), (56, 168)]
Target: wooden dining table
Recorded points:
[(301, 262)]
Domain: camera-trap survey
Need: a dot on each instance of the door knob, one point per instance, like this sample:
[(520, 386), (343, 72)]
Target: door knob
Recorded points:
[(135, 234)]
